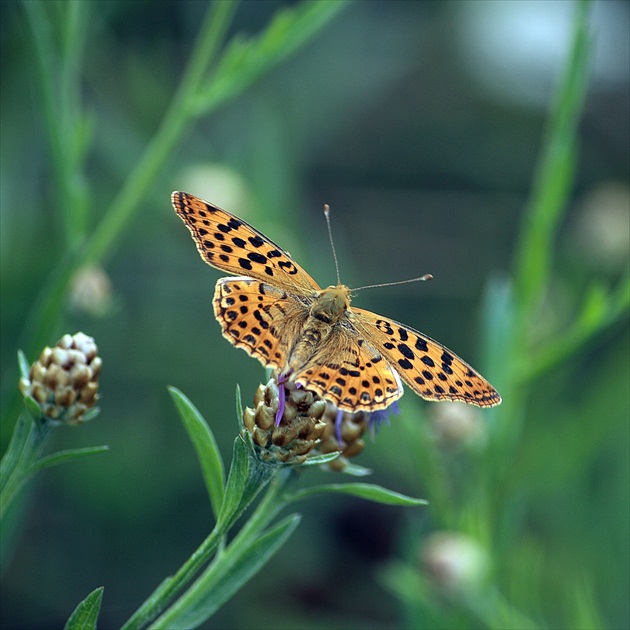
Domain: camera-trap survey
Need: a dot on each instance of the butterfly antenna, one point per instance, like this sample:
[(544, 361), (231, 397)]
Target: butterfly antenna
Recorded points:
[(330, 238), (427, 276)]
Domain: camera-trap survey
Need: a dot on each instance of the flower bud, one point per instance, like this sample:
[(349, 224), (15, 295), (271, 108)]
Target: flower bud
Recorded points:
[(456, 564), (455, 425), (349, 427), (64, 380), (91, 291), (300, 427)]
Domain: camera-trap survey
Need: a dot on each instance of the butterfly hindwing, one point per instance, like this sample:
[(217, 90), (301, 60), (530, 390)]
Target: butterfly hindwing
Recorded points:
[(229, 243), (349, 372), (260, 318), (430, 369)]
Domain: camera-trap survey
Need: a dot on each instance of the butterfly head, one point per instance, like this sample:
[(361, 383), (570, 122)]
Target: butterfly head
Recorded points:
[(331, 304)]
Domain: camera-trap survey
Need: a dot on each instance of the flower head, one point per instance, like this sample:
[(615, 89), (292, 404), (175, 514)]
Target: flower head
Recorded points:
[(457, 425), (64, 379), (455, 563), (298, 429), (290, 423)]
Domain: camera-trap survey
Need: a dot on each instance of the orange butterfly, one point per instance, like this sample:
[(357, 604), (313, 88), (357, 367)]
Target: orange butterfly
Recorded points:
[(312, 336)]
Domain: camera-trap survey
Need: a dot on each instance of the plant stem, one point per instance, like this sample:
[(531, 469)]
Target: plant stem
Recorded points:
[(168, 589), (267, 509), (176, 119), (26, 444), (269, 506), (48, 309), (554, 177)]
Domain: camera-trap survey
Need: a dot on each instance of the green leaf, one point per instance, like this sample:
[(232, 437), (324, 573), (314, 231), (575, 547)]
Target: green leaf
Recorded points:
[(225, 577), (239, 408), (247, 564), (316, 460), (235, 485), (245, 61), (247, 477), (16, 447), (25, 367), (367, 491), (554, 175), (90, 414), (601, 309), (585, 610), (33, 408), (354, 470), (27, 442), (86, 613), (206, 446), (65, 456)]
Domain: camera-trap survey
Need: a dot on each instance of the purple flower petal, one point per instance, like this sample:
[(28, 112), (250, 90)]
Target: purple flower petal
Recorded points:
[(338, 422), (282, 399), (380, 417)]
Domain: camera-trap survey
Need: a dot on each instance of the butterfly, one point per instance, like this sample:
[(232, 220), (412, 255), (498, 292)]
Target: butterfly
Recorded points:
[(311, 336)]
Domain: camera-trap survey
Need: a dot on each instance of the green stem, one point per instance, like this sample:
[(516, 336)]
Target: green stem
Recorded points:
[(553, 179), (63, 107), (177, 118), (267, 509), (48, 311), (269, 506), (16, 467), (551, 188), (169, 588)]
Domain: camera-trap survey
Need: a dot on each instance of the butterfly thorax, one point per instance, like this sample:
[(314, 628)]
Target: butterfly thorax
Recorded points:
[(329, 307)]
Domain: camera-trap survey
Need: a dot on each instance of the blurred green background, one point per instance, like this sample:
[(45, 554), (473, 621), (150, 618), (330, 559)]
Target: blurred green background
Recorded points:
[(421, 124)]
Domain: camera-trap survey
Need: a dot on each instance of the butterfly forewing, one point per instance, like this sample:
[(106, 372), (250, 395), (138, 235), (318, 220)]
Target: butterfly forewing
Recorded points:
[(429, 368), (229, 243)]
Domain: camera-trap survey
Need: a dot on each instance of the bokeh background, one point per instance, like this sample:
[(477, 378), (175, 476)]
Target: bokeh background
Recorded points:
[(421, 124)]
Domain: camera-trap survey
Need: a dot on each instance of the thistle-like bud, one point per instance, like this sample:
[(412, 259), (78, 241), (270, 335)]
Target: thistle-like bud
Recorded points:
[(349, 427), (300, 428), (91, 291), (454, 563), (289, 426), (64, 380), (457, 425)]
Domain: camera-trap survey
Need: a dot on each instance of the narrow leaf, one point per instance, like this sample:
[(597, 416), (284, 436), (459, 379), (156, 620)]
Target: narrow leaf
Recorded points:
[(206, 446), (239, 408), (354, 470), (33, 408), (248, 476), (25, 367), (85, 614), (65, 456), (16, 447), (321, 459), (235, 485), (555, 173), (245, 61), (367, 491)]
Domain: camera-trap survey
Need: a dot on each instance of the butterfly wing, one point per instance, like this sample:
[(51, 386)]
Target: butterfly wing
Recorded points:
[(349, 372), (229, 243), (429, 368), (262, 319)]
